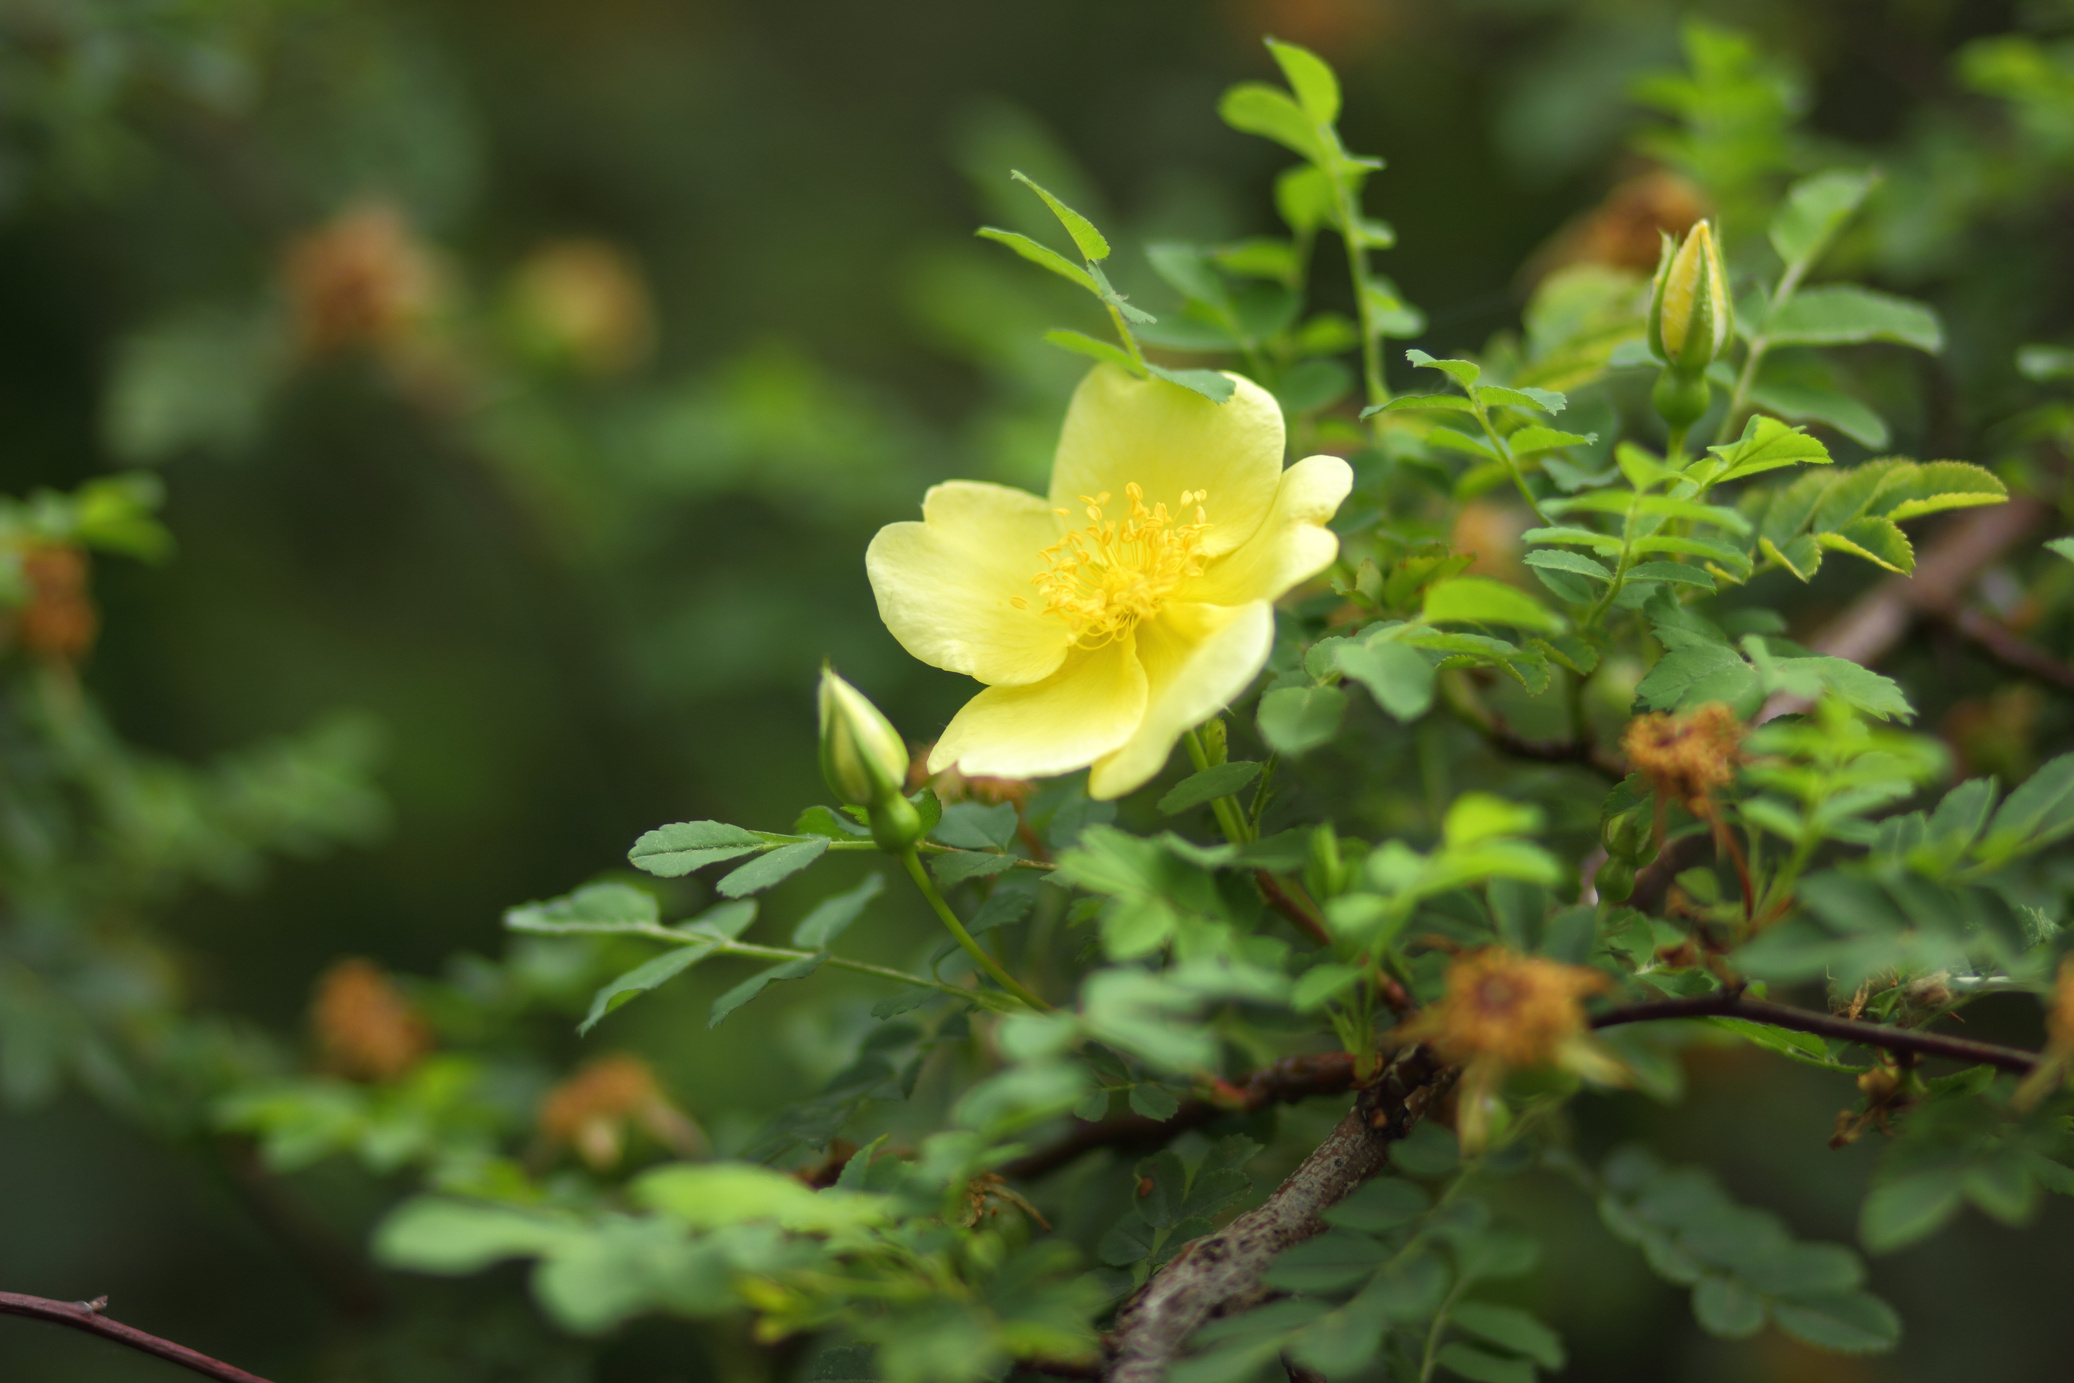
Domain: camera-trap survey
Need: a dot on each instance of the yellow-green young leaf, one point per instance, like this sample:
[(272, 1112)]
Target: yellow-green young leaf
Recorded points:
[(1081, 344), (1735, 562), (429, 1234), (1388, 313), (1320, 984), (1793, 505), (2063, 546), (1573, 537), (1316, 88), (1213, 385), (1452, 403), (1259, 109), (1844, 314), (1535, 437), (1477, 817), (1934, 485), (1815, 209), (1086, 238), (1480, 600), (1851, 493), (1296, 720), (1539, 400), (1306, 198), (1556, 559), (1672, 573), (1875, 539), (1449, 439), (715, 1194), (1802, 556), (1767, 444), (1462, 372), (1040, 254)]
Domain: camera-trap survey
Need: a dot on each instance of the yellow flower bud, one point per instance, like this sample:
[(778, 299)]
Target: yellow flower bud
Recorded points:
[(1689, 314), (863, 757)]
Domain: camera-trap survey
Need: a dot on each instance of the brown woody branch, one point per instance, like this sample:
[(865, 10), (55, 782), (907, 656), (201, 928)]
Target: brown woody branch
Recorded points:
[(1456, 695), (86, 1316), (1280, 899), (1913, 1041), (1222, 1272)]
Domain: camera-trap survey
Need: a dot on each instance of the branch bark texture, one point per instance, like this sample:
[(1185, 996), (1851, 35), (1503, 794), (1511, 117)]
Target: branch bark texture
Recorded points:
[(1222, 1271), (86, 1316)]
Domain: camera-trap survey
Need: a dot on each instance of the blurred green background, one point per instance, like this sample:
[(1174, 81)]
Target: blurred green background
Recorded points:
[(527, 379)]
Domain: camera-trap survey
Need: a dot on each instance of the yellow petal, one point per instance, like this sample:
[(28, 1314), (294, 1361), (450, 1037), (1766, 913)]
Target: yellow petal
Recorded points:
[(1197, 658), (1168, 439), (1292, 546), (1067, 721), (946, 585)]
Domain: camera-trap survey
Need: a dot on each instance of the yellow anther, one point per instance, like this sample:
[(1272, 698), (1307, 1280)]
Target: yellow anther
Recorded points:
[(1101, 580)]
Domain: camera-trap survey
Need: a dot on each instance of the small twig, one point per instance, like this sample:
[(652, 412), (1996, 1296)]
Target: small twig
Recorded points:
[(1284, 1082), (1730, 1004), (1503, 738), (1222, 1271), (86, 1316), (1280, 899)]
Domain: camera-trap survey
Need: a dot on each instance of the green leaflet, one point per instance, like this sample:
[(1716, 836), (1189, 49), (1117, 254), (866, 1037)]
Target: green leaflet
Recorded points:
[(1844, 314)]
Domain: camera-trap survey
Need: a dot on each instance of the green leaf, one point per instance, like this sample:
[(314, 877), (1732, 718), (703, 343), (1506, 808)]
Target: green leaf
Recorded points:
[(770, 870), (1877, 540), (1555, 559), (675, 850), (1320, 984), (1537, 400), (1937, 485), (1672, 573), (1258, 109), (1481, 1367), (1481, 600), (1462, 372), (758, 982), (1469, 444), (1128, 1242), (1847, 1322), (1844, 314), (1858, 687), (1453, 403), (1311, 78), (1081, 344), (1220, 780), (431, 1234), (1381, 1205), (1428, 1151), (1767, 444), (1086, 238), (1513, 1329), (1213, 385), (2040, 810), (1041, 255), (1726, 1306), (597, 908), (2063, 546), (960, 865), (1396, 675), (642, 978), (1333, 1260), (974, 826), (1296, 720), (1800, 402), (1699, 673), (1154, 1102), (1815, 209), (833, 915), (1535, 437)]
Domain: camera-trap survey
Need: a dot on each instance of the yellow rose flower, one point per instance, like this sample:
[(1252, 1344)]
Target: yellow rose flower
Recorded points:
[(1129, 607)]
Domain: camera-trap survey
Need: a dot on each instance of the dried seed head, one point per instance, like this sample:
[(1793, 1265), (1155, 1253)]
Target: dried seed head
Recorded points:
[(59, 621), (366, 1029), (361, 279), (1686, 757), (594, 1110), (1519, 1010)]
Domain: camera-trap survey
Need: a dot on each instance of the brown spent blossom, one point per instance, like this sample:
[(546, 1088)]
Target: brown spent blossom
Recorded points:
[(586, 300), (1489, 531), (593, 1110), (1686, 757), (1626, 229), (953, 786), (361, 279), (366, 1030), (59, 621), (1502, 1012)]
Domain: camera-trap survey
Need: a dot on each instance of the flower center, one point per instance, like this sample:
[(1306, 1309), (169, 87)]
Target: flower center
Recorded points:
[(1102, 579)]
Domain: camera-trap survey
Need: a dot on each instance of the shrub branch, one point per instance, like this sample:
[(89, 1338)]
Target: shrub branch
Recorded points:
[(86, 1315)]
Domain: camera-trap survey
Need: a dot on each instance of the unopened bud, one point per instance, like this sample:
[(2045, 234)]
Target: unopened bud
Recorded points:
[(863, 758), (1615, 880), (1690, 319)]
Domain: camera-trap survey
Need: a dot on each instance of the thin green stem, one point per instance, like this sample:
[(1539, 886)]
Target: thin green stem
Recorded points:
[(1505, 455), (1130, 342), (1357, 269), (913, 861), (1226, 807)]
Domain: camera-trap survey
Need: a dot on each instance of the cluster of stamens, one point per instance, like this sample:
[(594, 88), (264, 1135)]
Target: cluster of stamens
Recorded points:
[(1102, 579)]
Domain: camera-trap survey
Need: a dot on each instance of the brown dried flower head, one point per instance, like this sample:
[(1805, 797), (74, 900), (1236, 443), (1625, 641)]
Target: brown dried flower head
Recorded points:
[(1518, 1010), (59, 622), (365, 1029), (1686, 757), (361, 279), (594, 1110), (1626, 230), (585, 299), (953, 786)]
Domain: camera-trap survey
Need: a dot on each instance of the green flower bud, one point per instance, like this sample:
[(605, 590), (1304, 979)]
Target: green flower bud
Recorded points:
[(1690, 319), (1615, 880), (863, 758), (895, 824), (1631, 836)]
